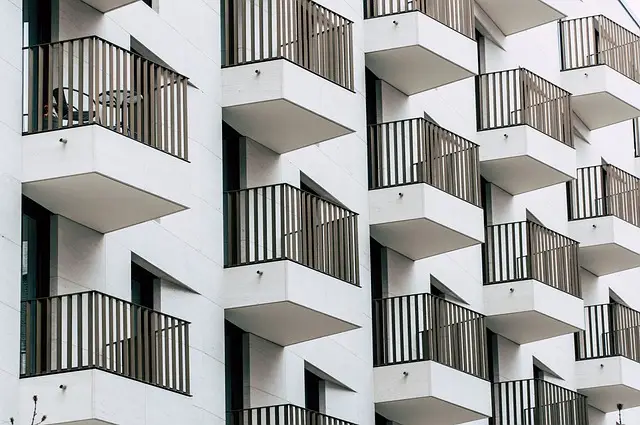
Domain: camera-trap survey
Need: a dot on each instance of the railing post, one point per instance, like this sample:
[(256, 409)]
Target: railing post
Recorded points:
[(529, 263), (604, 182), (562, 46), (612, 312)]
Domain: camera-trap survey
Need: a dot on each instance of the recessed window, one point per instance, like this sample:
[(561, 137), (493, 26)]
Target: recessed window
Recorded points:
[(142, 286)]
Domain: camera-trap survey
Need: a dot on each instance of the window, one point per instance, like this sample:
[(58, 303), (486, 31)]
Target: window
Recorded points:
[(313, 390), (492, 355), (378, 269), (35, 262), (234, 352), (372, 93), (481, 41), (142, 286), (381, 420)]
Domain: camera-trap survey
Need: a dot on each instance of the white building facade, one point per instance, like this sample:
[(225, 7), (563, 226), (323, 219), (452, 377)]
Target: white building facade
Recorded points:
[(295, 212)]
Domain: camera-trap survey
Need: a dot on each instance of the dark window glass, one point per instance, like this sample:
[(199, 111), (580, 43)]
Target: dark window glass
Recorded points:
[(234, 366), (311, 391), (142, 283), (35, 265)]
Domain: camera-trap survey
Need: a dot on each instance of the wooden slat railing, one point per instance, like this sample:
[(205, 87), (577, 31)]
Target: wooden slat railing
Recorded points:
[(92, 81), (280, 222), (611, 330), (418, 151), (300, 31), (537, 402), (456, 14), (597, 40), (93, 330), (525, 250), (282, 414), (604, 190), (520, 97), (421, 327)]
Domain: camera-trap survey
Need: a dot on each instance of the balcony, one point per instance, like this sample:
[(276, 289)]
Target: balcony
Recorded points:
[(430, 361), (106, 134), (512, 17), (116, 356), (532, 286), (105, 6), (288, 77), (534, 401), (608, 357), (424, 196), (403, 38), (604, 216), (524, 130), (283, 414), (292, 270), (601, 68)]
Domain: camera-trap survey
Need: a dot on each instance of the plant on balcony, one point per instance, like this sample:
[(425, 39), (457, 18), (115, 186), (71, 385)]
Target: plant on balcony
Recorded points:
[(33, 416)]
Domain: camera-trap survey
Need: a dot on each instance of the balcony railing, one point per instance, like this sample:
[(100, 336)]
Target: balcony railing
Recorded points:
[(91, 330), (282, 222), (604, 190), (525, 250), (597, 40), (92, 81), (537, 402), (456, 14), (418, 151), (283, 414), (611, 330), (520, 97), (300, 31), (422, 327)]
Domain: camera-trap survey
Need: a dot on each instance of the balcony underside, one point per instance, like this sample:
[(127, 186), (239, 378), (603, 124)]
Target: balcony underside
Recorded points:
[(107, 5), (430, 394), (607, 244), (513, 17), (96, 397), (424, 221), (285, 107), (101, 179), (602, 96), (609, 381), (524, 160), (527, 311), (288, 303), (399, 54)]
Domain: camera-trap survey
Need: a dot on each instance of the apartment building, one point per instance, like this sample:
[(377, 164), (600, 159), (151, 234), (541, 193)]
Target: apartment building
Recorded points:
[(297, 212)]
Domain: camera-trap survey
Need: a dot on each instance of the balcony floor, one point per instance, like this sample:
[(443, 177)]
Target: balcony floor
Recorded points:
[(525, 160), (608, 381), (430, 394), (607, 244), (285, 107), (424, 221), (96, 397), (288, 303), (513, 17), (101, 179), (108, 5), (400, 53), (602, 96), (528, 311)]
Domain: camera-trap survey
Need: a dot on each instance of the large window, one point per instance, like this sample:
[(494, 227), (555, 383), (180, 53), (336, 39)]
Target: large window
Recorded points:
[(234, 366), (35, 261)]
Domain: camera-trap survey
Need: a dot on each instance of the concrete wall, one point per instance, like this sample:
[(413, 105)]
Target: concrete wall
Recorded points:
[(10, 201)]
